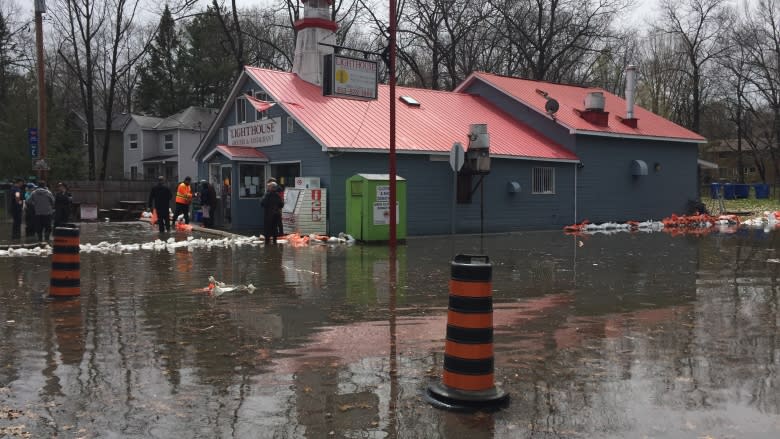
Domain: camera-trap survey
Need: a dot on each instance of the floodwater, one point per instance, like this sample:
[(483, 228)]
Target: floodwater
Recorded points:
[(626, 335)]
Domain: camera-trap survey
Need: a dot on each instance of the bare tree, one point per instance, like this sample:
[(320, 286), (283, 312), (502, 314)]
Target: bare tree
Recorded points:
[(552, 37), (762, 41), (662, 89), (700, 27), (79, 22)]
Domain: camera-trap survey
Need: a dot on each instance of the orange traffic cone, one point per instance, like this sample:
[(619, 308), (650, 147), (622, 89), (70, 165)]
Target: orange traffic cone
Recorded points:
[(65, 281), (468, 381)]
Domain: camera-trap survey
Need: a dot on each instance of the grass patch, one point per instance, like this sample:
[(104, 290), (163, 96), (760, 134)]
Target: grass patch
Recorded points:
[(751, 205)]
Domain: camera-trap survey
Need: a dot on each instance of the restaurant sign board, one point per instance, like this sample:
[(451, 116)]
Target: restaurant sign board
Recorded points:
[(265, 132)]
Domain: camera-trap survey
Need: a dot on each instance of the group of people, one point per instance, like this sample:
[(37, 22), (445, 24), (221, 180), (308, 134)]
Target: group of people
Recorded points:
[(160, 199), (38, 206)]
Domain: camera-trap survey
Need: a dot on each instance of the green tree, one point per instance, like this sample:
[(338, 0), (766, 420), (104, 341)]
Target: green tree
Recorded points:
[(161, 91), (207, 67)]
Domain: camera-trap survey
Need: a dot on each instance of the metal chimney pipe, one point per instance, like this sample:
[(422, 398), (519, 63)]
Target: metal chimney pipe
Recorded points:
[(630, 90)]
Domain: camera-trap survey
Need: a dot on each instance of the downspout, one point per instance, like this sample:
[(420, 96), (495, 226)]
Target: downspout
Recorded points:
[(576, 167)]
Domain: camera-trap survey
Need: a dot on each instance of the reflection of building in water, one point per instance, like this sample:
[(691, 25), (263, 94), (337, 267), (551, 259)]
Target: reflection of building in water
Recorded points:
[(368, 274), (306, 269)]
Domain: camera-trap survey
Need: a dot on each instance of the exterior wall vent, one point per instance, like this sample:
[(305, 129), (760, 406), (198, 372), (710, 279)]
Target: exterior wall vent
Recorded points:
[(638, 168)]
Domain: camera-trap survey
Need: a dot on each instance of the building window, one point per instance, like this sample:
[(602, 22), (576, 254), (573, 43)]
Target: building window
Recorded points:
[(168, 142), (290, 125), (85, 137), (543, 181), (222, 135), (251, 180), (134, 173), (263, 96), (170, 173), (464, 188), (240, 110), (133, 141)]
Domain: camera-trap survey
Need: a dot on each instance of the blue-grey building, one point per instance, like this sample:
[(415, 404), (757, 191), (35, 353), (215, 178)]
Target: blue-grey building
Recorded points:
[(559, 154)]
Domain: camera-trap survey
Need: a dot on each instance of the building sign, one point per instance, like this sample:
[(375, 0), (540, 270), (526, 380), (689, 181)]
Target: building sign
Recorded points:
[(347, 77), (264, 132)]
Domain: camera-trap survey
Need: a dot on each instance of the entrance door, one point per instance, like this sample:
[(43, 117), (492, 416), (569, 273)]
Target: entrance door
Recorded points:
[(226, 194)]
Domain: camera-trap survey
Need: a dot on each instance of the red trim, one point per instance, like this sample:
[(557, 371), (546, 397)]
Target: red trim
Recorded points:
[(316, 22), (330, 2)]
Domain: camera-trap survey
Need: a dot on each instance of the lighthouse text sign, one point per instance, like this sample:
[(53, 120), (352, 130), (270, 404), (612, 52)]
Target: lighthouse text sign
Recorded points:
[(264, 132)]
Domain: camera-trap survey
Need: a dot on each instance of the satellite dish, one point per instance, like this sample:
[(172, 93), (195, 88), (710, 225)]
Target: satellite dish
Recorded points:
[(551, 106)]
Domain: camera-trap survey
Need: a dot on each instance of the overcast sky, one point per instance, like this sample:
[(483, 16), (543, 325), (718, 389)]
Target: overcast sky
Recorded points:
[(643, 11)]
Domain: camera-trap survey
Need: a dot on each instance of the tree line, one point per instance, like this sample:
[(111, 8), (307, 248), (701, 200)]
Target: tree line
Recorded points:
[(709, 65)]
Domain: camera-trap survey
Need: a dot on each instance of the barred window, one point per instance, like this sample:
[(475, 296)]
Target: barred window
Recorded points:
[(543, 181)]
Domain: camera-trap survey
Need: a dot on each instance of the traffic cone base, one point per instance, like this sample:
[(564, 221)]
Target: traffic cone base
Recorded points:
[(444, 397)]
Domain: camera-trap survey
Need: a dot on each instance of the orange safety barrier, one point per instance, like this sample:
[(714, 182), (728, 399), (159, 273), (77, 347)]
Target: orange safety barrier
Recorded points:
[(65, 280), (468, 379)]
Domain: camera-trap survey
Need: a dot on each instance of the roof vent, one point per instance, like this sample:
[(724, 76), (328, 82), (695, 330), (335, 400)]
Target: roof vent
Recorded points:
[(410, 101), (594, 101)]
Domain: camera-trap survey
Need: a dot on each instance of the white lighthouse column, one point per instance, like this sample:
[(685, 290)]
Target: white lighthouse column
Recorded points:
[(316, 27)]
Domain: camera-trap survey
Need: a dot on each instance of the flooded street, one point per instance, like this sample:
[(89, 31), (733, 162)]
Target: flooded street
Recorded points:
[(604, 336)]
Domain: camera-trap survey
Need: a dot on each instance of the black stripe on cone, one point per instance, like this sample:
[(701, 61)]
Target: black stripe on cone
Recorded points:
[(477, 269)]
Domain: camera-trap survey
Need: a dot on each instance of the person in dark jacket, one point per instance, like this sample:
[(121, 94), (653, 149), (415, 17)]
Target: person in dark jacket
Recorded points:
[(208, 203), (17, 207), (272, 205), (29, 210), (62, 203), (160, 199), (42, 200)]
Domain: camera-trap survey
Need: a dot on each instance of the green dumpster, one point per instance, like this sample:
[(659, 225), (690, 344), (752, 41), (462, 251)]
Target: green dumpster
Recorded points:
[(368, 213)]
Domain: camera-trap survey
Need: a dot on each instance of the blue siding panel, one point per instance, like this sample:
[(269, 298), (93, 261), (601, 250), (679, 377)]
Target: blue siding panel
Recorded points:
[(608, 191), (430, 194)]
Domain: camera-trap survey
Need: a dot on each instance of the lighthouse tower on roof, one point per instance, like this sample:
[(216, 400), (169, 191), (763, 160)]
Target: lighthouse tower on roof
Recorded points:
[(314, 28)]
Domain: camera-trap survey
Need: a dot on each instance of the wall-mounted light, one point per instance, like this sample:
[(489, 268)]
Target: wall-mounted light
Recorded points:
[(657, 167)]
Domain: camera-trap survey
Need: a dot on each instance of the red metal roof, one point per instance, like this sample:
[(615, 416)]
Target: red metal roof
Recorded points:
[(571, 98), (246, 153), (441, 119)]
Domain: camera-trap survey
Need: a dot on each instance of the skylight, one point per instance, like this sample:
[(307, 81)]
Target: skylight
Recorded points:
[(410, 101)]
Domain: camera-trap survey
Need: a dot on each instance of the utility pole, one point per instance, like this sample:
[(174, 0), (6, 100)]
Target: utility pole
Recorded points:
[(392, 31), (40, 8)]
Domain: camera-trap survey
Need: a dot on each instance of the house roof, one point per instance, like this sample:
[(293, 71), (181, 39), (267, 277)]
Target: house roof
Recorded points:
[(441, 119), (118, 122), (243, 153), (161, 158), (146, 121), (571, 99), (191, 118)]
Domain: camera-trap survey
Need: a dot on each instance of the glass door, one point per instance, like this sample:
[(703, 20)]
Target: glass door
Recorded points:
[(225, 193)]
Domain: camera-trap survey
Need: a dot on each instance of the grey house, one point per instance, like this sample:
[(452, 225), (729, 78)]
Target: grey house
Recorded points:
[(154, 146)]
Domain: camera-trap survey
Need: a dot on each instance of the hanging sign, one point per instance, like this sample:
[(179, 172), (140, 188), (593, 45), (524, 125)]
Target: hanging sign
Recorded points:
[(348, 77)]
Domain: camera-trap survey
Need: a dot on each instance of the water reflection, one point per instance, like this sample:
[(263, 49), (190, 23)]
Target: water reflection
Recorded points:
[(597, 336)]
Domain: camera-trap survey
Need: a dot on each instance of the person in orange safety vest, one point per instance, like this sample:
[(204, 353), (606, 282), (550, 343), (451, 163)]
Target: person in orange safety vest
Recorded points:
[(183, 200)]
